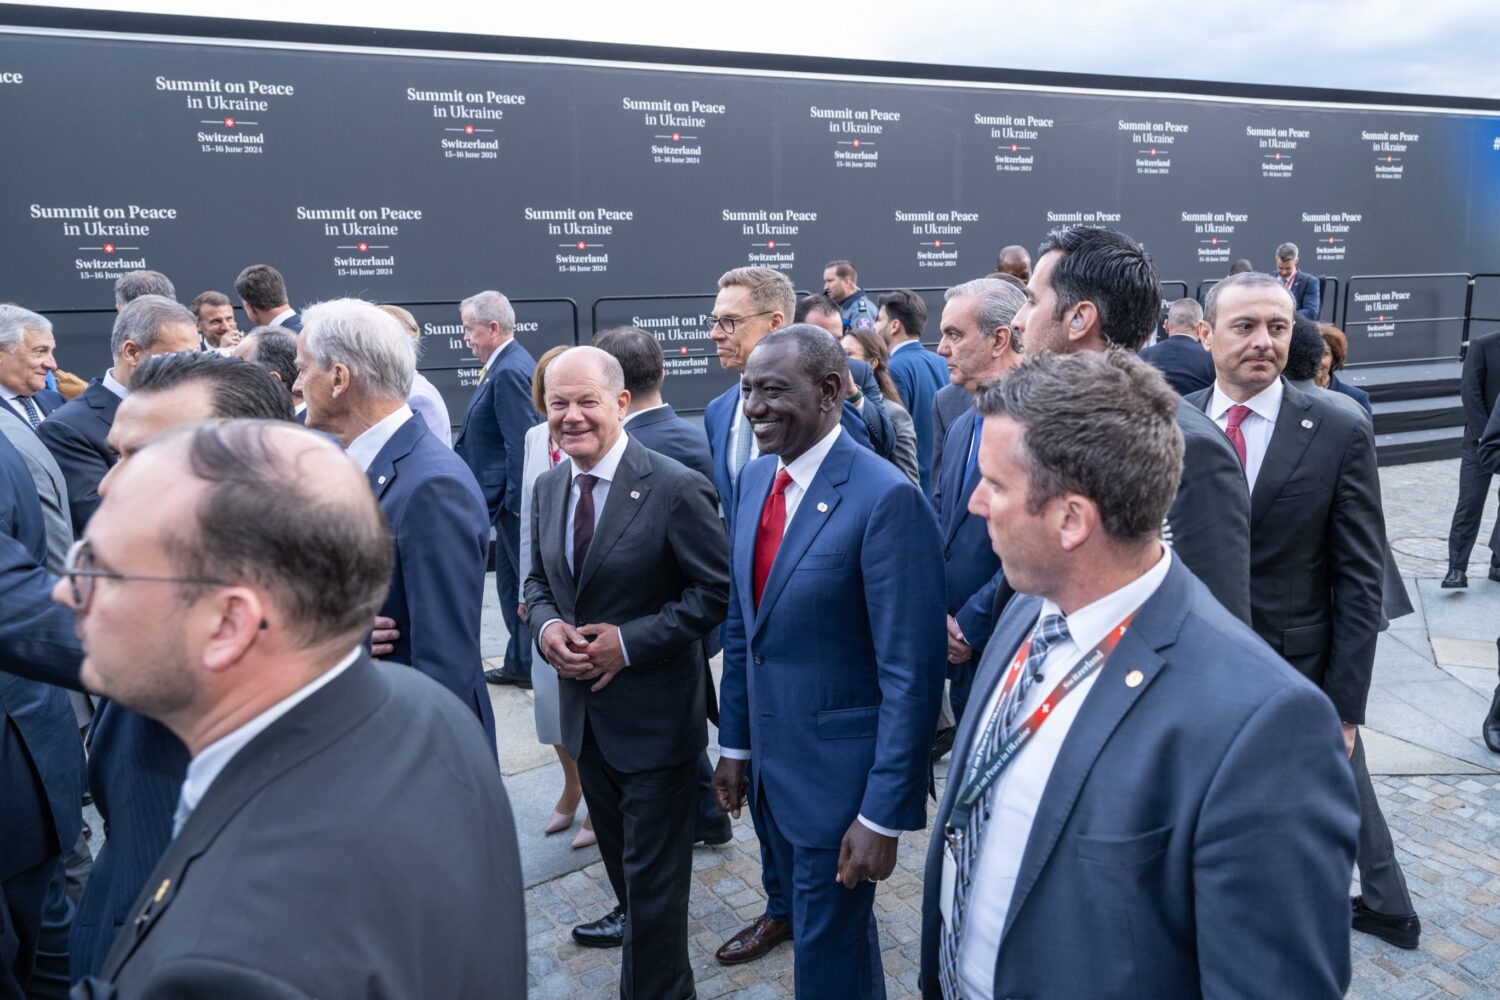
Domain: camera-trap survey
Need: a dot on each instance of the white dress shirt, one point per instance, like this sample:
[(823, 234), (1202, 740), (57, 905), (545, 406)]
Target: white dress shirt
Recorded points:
[(364, 448), (484, 368), (14, 399), (604, 472), (114, 385), (282, 316), (905, 343), (1257, 426), (1017, 793), (212, 759), (631, 416), (803, 470)]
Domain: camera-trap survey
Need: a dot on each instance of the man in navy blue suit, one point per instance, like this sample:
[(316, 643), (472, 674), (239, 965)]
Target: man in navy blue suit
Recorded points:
[(77, 432), (262, 292), (979, 346), (355, 366), (1181, 357), (136, 765), (917, 372), (833, 659), (492, 441), (1136, 769), (41, 777), (1305, 288)]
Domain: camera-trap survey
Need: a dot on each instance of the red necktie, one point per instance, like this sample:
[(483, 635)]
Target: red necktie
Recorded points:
[(1237, 414), (772, 527)]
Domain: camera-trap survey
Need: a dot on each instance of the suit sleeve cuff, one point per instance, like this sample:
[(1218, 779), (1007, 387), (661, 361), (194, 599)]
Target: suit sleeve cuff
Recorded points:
[(734, 754), (883, 831), (624, 653)]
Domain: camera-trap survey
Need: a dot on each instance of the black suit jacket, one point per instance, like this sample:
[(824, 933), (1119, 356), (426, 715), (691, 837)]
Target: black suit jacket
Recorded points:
[(658, 568), (1184, 362), (76, 434), (1481, 382), (1317, 543), (1209, 522), (351, 849), (661, 430), (948, 404)]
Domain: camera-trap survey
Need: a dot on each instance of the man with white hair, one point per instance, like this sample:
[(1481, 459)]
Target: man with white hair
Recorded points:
[(492, 440), (354, 368), (77, 433), (26, 345)]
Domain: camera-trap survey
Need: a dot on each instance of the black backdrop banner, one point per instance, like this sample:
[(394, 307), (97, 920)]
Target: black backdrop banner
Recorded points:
[(612, 192)]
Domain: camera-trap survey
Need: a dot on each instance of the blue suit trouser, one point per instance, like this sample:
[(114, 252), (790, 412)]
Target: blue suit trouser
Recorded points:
[(836, 946), (507, 587)]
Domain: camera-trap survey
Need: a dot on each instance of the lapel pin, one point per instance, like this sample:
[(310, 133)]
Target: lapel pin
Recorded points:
[(635, 494), (161, 890), (1307, 424), (822, 508), (381, 481), (1134, 678)]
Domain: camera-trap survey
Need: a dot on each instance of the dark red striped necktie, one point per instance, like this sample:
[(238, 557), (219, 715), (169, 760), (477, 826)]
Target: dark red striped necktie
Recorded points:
[(772, 527)]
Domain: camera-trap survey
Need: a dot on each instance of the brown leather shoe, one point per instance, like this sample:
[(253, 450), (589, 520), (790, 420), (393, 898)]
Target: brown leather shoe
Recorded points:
[(754, 941)]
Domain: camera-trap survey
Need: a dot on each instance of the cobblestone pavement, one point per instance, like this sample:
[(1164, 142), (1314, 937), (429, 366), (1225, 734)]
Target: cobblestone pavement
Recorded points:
[(1446, 828)]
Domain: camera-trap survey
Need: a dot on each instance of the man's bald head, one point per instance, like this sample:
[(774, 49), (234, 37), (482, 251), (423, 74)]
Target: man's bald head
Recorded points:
[(1015, 261)]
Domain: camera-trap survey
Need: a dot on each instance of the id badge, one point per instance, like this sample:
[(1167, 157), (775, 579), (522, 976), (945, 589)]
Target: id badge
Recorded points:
[(949, 885)]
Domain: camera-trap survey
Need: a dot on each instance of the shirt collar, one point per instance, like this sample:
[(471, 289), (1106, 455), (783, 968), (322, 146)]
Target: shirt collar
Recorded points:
[(1088, 626), (113, 384), (282, 316), (1266, 403), (364, 448), (649, 409), (212, 759), (806, 465), (906, 343), (606, 467), (496, 353)]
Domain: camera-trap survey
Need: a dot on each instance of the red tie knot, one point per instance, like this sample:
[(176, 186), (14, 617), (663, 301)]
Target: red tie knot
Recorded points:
[(783, 480), (1237, 414)]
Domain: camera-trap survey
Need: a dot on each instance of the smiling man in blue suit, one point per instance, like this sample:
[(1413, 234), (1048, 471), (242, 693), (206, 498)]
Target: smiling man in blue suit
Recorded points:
[(492, 441), (355, 367), (833, 659), (1137, 774)]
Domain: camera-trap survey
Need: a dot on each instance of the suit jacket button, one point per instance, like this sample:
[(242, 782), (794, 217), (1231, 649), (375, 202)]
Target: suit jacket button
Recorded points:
[(760, 659)]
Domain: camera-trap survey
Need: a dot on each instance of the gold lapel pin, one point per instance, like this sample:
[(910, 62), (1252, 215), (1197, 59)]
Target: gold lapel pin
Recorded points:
[(635, 494), (1307, 424), (822, 508), (1134, 678), (161, 890)]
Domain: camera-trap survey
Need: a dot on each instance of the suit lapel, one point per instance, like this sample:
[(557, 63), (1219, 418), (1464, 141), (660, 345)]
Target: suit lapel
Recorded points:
[(1296, 424), (957, 499), (553, 489), (1155, 627), (382, 471), (627, 494), (814, 510), (755, 483), (479, 390)]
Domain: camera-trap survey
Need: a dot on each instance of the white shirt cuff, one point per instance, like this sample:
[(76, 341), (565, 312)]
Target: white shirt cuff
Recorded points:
[(624, 653), (880, 829), (734, 754)]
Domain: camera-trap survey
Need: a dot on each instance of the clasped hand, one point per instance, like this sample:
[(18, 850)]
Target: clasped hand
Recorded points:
[(591, 652)]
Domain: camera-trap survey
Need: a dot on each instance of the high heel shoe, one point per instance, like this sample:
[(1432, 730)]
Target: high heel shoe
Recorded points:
[(559, 822), (585, 838)]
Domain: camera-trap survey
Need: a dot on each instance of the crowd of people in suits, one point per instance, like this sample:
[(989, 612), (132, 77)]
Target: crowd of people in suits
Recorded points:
[(1130, 592)]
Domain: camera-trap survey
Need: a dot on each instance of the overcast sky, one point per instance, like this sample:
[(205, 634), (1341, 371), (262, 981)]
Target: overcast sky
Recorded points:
[(1449, 47)]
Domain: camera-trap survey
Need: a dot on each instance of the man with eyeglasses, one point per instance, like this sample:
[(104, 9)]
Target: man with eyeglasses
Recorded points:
[(136, 765), (295, 868)]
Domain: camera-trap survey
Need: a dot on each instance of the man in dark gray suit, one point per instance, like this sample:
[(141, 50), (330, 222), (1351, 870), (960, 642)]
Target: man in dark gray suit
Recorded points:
[(1481, 387), (1317, 539), (1095, 288), (629, 571), (248, 646)]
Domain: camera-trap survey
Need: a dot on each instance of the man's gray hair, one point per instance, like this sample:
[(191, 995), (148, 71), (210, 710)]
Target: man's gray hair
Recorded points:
[(133, 284), (140, 321), (1184, 314), (999, 301), (1102, 424), (490, 307), (1287, 251), (1244, 279), (366, 340), (609, 368), (15, 321)]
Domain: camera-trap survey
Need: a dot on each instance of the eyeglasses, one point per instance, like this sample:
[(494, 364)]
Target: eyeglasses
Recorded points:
[(78, 567), (728, 323)]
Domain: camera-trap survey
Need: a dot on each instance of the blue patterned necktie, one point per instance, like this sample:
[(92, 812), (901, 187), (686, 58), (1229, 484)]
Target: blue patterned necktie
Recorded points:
[(745, 437), (32, 413), (1048, 633)]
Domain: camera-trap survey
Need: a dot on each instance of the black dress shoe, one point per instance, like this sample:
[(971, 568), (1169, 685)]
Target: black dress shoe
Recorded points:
[(1401, 931), (498, 676), (1457, 578), (1492, 723), (606, 932), (942, 743), (715, 834)]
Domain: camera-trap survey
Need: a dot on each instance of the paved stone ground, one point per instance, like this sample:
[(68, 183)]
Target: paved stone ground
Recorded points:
[(1437, 783)]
